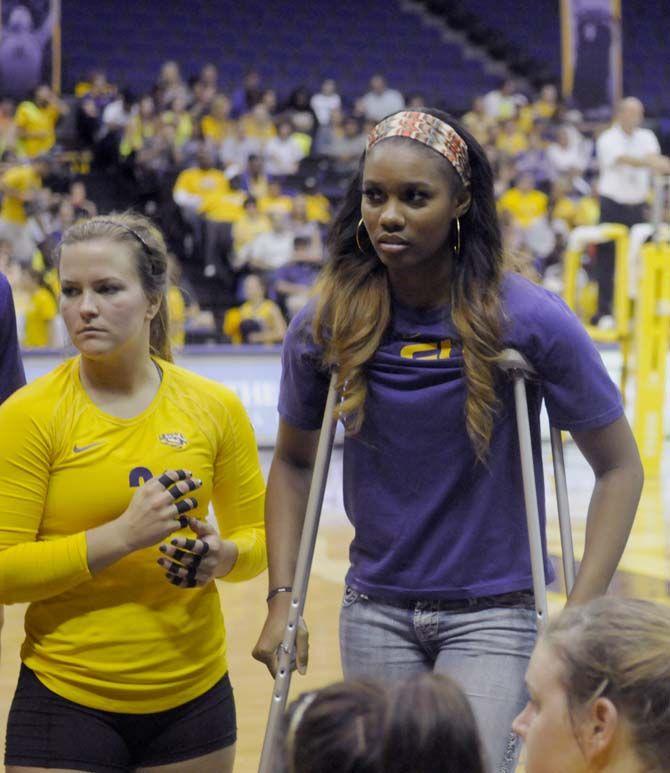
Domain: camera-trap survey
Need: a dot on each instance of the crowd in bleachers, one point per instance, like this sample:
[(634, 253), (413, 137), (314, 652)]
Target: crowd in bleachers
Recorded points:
[(243, 182)]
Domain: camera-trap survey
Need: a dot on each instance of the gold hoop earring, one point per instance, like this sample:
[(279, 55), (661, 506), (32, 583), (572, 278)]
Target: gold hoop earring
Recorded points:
[(457, 248), (358, 241)]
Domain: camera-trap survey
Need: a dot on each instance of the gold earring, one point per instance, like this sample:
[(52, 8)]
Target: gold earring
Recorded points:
[(358, 241), (457, 248)]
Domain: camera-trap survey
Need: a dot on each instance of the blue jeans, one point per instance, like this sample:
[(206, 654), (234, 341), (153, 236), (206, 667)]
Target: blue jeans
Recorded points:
[(485, 649)]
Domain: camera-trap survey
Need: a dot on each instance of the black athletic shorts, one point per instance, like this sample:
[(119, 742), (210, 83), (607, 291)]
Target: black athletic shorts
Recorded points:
[(45, 730)]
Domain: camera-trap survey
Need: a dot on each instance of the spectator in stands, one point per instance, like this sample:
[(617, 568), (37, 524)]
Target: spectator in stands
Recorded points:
[(248, 95), (423, 724), (275, 201), (258, 124), (501, 104), (36, 121), (209, 77), (510, 140), (271, 249), (237, 149), (346, 150), (19, 186), (599, 683), (318, 205), (300, 112), (7, 126), (524, 202), (534, 160), (328, 134), (325, 101), (254, 180), (143, 124), (292, 283), (116, 116), (380, 100), (261, 319), (94, 96), (252, 224), (627, 157), (565, 156), (40, 311), (269, 100), (170, 86), (478, 122), (217, 125), (282, 153), (192, 188), (302, 225), (547, 103), (83, 207)]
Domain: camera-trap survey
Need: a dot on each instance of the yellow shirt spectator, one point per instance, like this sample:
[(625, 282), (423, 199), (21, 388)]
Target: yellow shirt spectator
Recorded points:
[(15, 183), (318, 208), (216, 130), (524, 206), (512, 142), (41, 310), (36, 128), (223, 208), (247, 228), (177, 313)]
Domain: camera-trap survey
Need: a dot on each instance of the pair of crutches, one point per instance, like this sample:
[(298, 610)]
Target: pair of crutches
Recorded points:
[(519, 369)]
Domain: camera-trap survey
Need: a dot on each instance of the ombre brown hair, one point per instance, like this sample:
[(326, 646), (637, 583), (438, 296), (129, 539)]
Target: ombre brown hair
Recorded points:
[(147, 247), (619, 649), (353, 309)]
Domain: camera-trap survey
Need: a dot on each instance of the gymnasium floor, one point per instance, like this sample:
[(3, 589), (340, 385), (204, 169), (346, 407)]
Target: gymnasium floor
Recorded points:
[(644, 572)]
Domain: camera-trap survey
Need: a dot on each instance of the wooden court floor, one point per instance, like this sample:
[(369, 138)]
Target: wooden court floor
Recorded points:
[(644, 571)]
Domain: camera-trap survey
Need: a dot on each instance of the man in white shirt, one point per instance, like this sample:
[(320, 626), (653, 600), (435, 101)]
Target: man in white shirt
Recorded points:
[(325, 101), (627, 155), (380, 101)]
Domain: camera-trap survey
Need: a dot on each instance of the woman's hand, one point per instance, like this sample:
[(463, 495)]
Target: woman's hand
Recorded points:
[(154, 512), (192, 563), (272, 636)]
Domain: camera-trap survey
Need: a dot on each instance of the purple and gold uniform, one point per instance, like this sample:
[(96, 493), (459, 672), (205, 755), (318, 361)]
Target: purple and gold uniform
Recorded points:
[(430, 521)]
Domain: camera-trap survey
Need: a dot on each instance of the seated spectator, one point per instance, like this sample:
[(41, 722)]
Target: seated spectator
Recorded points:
[(599, 684), (299, 112), (94, 98), (258, 125), (317, 205), (566, 156), (237, 149), (36, 121), (248, 95), (478, 122), (534, 161), (170, 86), (502, 103), (423, 725), (326, 135), (254, 180), (346, 150), (217, 125), (270, 249), (269, 101), (523, 202), (302, 225), (82, 206), (143, 125), (19, 186), (116, 117), (39, 312), (510, 140), (282, 153), (325, 101), (380, 100), (194, 185), (258, 320), (275, 201), (179, 117), (546, 105), (292, 283), (249, 226)]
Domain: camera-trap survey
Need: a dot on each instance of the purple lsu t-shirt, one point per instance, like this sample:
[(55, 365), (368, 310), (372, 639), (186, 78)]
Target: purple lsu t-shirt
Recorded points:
[(430, 521), (11, 368)]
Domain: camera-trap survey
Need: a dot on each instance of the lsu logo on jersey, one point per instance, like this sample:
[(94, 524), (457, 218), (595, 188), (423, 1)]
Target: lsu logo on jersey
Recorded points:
[(437, 350), (173, 439)]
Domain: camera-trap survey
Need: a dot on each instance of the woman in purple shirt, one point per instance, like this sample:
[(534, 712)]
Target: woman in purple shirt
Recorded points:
[(415, 307)]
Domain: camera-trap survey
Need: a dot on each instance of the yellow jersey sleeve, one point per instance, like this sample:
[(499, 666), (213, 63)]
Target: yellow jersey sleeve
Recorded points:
[(31, 567), (238, 491)]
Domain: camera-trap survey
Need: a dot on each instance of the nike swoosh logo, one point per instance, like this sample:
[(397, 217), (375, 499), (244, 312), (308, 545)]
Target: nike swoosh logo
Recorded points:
[(78, 449)]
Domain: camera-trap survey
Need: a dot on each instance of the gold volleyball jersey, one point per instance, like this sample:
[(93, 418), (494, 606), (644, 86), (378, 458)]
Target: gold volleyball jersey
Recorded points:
[(126, 639)]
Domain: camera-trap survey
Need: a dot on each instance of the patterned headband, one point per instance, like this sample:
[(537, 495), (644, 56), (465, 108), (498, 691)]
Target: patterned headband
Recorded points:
[(429, 130)]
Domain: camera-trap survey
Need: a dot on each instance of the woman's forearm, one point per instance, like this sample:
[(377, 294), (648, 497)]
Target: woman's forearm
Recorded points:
[(610, 517)]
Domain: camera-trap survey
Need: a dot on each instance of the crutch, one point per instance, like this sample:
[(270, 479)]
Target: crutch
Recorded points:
[(519, 369), (302, 570)]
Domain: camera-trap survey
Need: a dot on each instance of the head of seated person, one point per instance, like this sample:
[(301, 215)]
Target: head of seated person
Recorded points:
[(599, 685), (423, 724)]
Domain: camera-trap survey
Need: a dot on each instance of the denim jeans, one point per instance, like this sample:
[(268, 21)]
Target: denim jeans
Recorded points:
[(484, 648)]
